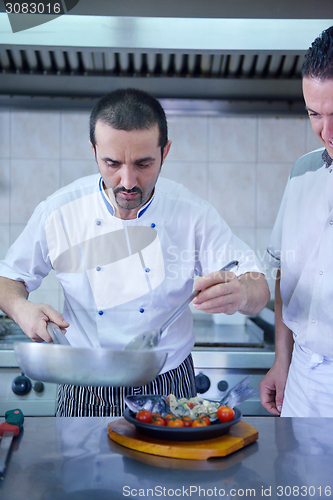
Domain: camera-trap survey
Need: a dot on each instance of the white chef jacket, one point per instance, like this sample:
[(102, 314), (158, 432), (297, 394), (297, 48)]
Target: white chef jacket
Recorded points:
[(301, 246), (123, 277)]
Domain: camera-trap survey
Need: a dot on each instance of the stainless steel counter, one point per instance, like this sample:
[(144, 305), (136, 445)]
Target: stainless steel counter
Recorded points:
[(73, 458)]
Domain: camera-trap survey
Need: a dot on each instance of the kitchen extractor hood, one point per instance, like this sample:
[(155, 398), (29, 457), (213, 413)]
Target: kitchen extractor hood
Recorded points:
[(79, 58)]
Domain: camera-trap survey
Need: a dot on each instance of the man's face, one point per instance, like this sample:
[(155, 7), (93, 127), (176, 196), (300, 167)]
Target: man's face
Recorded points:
[(129, 163), (318, 96)]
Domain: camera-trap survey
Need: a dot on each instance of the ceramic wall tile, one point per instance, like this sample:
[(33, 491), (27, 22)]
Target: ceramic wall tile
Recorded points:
[(232, 138), (4, 134), (50, 282), (312, 141), (246, 234), (189, 138), (4, 190), (263, 238), (30, 185), (35, 134), (281, 139), (71, 170), (14, 232), (231, 190), (50, 297), (61, 300), (4, 240), (193, 175), (272, 180), (75, 136)]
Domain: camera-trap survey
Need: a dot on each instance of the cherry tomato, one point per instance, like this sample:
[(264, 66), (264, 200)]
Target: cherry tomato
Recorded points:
[(225, 414), (199, 423), (205, 418), (144, 416), (175, 422), (169, 416), (188, 421), (157, 419)]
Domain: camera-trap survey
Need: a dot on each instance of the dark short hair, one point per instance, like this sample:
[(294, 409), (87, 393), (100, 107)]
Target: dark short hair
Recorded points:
[(318, 62), (129, 109)]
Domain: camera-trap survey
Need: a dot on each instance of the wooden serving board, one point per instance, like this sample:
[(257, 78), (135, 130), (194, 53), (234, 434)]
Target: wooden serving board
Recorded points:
[(240, 435)]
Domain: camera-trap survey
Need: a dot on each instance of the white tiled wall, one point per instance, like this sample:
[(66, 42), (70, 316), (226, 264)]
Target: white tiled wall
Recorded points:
[(240, 164)]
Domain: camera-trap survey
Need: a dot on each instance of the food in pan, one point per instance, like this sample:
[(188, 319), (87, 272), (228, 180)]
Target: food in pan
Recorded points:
[(154, 404)]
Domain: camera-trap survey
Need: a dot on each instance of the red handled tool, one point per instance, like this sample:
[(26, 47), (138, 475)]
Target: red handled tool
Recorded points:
[(8, 430)]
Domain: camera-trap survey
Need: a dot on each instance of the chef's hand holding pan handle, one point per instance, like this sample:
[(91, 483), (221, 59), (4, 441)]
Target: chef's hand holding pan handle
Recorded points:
[(33, 319)]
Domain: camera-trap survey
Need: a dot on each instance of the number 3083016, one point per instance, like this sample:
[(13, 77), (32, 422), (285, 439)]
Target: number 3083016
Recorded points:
[(303, 491), (34, 8)]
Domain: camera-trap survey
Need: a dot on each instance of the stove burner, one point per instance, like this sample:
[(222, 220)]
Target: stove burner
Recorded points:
[(10, 332)]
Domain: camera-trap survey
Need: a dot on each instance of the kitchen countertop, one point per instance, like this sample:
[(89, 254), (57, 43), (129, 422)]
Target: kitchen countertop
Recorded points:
[(73, 458)]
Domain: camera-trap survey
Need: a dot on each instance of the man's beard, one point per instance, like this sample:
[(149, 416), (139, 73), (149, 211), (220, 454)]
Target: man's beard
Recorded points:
[(128, 204)]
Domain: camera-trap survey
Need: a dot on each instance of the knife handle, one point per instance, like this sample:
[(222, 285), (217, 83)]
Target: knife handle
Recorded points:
[(13, 429), (15, 418)]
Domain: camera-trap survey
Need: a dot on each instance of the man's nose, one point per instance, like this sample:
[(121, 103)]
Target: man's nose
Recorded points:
[(327, 131), (128, 177)]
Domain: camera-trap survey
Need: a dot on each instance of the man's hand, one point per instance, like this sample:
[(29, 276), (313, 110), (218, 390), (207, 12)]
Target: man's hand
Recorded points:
[(33, 318), (273, 384), (220, 291), (272, 389), (224, 292)]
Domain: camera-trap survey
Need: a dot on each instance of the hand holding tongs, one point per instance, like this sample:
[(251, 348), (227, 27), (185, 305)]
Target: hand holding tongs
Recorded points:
[(151, 338)]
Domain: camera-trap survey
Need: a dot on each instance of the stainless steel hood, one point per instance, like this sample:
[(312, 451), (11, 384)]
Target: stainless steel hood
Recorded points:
[(75, 59)]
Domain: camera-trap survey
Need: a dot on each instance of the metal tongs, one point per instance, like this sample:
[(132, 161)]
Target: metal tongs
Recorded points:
[(150, 339)]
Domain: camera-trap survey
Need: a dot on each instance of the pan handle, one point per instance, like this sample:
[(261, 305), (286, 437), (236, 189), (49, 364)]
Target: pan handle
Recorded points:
[(56, 334)]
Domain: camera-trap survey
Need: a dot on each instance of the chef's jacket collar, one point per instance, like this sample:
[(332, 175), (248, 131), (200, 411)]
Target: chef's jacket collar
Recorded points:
[(327, 159), (110, 207)]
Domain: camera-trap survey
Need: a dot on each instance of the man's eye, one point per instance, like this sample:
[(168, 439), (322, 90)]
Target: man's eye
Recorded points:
[(143, 165)]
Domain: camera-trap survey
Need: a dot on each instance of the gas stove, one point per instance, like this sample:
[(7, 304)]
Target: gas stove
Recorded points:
[(33, 397)]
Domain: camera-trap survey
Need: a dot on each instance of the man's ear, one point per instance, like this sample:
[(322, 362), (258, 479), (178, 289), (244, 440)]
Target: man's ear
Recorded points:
[(166, 150), (94, 150)]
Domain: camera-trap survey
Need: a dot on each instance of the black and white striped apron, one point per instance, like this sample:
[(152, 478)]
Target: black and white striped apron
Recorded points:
[(87, 401)]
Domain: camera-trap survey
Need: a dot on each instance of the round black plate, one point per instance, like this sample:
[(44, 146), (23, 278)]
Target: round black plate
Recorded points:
[(214, 430)]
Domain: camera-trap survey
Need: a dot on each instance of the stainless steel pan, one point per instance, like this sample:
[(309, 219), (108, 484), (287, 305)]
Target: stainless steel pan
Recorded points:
[(65, 364)]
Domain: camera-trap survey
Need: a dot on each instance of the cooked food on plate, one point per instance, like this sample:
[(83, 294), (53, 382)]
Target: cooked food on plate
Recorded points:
[(182, 412)]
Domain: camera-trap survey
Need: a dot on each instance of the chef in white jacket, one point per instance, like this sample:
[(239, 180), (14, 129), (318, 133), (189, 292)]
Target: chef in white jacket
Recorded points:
[(125, 245), (300, 382)]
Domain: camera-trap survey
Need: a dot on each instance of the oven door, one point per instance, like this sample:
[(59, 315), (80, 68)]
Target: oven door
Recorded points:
[(224, 354)]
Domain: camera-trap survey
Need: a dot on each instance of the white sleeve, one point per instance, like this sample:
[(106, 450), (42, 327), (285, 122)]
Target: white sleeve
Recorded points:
[(27, 260), (273, 252), (217, 245)]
